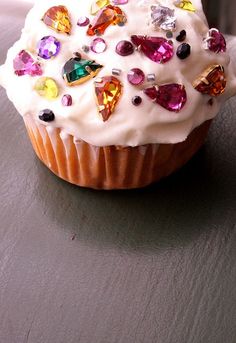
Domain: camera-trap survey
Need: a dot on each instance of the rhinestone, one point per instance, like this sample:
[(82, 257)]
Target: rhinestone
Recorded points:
[(98, 45), (46, 115), (48, 47), (66, 100), (137, 100), (136, 76)]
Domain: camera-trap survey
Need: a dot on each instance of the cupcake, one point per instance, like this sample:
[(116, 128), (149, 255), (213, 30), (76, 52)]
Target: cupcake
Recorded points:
[(117, 94)]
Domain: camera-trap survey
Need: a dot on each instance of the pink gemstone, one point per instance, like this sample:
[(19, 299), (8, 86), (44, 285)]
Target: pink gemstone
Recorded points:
[(83, 21), (66, 100), (120, 2), (216, 42), (98, 45), (136, 76), (158, 49), (24, 64), (172, 97)]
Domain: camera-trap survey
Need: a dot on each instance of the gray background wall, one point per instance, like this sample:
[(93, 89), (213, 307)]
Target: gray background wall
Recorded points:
[(221, 14)]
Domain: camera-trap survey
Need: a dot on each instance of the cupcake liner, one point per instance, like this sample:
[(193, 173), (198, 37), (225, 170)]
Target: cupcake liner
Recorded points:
[(110, 167)]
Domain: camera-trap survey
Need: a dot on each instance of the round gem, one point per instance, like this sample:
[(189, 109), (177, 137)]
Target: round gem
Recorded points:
[(83, 21), (46, 115), (66, 100), (181, 36), (183, 51), (98, 45), (85, 48), (136, 76), (48, 47), (169, 34), (137, 100), (124, 48), (46, 87)]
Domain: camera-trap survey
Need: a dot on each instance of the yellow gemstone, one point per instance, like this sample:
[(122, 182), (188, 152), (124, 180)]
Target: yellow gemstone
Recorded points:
[(108, 91), (98, 5), (57, 17), (185, 5), (47, 88)]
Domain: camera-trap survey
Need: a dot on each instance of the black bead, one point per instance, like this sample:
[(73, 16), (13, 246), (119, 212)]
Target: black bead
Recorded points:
[(46, 115), (181, 36), (137, 100), (183, 51)]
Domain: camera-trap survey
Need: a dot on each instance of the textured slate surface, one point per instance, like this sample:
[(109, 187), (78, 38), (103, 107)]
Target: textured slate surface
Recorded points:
[(149, 266)]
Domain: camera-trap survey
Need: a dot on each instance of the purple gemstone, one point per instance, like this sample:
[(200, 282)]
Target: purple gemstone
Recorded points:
[(172, 96), (83, 21), (120, 2), (216, 42), (124, 48), (98, 45), (48, 47), (157, 49), (66, 100), (136, 76), (24, 64)]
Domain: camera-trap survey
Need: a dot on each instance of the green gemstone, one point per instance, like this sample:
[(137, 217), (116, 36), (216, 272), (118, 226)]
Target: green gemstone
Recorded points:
[(77, 71)]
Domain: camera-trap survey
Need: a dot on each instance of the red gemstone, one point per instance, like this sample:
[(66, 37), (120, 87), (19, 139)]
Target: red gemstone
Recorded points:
[(158, 49), (217, 42), (172, 97)]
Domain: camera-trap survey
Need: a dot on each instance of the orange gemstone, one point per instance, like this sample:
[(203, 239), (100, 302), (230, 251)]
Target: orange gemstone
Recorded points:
[(57, 17), (108, 91), (212, 81), (110, 15)]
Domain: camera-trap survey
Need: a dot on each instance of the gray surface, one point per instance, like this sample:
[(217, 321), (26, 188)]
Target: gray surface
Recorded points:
[(149, 266)]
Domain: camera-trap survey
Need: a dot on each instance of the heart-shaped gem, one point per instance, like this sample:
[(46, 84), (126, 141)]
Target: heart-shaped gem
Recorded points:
[(172, 96), (24, 64)]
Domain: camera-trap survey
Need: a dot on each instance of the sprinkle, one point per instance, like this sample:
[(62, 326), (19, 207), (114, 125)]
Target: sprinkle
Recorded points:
[(116, 71), (151, 77)]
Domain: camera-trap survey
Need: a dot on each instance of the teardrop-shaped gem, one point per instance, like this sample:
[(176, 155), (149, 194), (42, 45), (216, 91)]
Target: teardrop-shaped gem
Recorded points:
[(172, 97), (47, 88), (97, 5), (108, 92), (185, 5), (212, 81), (24, 64), (109, 15), (58, 19), (77, 71), (157, 49)]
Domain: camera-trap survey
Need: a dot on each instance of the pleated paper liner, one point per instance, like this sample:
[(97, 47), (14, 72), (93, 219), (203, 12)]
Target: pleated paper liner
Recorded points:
[(110, 167)]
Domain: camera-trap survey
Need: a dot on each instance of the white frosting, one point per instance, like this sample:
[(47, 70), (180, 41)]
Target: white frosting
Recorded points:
[(128, 125)]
